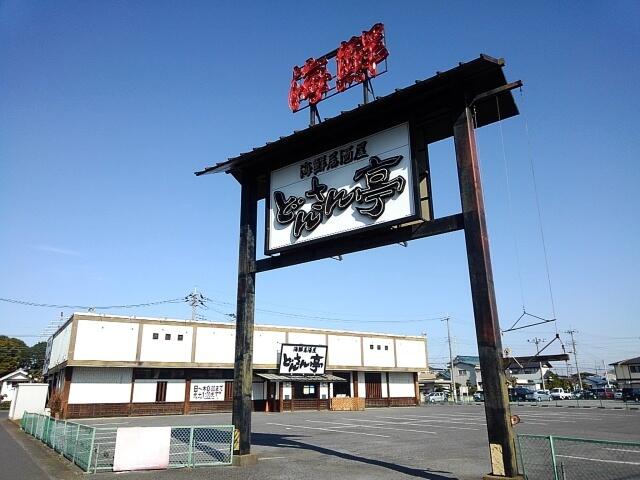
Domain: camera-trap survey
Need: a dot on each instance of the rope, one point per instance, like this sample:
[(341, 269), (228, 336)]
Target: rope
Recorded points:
[(510, 203), (535, 189)]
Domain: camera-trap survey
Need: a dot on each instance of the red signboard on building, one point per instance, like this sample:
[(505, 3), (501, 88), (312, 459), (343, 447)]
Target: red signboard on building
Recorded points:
[(357, 60)]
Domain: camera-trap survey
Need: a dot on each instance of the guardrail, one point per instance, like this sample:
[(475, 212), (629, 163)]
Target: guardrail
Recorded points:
[(93, 448), (548, 457)]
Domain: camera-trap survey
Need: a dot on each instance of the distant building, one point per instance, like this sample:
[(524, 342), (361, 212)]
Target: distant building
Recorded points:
[(9, 382), (528, 374), (466, 371), (108, 365), (628, 373)]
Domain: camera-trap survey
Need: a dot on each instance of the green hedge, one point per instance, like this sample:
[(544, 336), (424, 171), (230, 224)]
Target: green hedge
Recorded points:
[(5, 405)]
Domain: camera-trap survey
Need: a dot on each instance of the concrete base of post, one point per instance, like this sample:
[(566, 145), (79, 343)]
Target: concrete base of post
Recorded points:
[(245, 460), (490, 476)]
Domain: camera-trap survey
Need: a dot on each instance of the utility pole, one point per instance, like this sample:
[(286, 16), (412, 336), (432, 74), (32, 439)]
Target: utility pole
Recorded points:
[(537, 341), (426, 354), (453, 382), (575, 355), (195, 299)]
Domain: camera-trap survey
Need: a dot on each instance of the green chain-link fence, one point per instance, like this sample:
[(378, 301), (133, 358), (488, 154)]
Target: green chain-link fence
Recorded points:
[(74, 441), (543, 457), (93, 448)]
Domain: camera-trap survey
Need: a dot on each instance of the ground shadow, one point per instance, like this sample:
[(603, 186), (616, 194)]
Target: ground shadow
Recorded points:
[(291, 441)]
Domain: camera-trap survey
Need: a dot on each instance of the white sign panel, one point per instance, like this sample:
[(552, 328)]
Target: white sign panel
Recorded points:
[(207, 391), (142, 448), (303, 359), (363, 184)]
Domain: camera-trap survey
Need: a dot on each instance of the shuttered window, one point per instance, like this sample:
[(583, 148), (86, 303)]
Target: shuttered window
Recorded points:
[(161, 392)]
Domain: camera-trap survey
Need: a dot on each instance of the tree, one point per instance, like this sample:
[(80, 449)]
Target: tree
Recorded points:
[(12, 352), (33, 359)]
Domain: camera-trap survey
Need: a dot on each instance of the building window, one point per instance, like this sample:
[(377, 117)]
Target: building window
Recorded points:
[(386, 347), (634, 368), (180, 337), (462, 372), (155, 336), (378, 347), (371, 347), (167, 336), (161, 392), (309, 390)]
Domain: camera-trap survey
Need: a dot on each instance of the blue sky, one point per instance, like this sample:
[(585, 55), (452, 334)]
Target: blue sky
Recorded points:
[(107, 109)]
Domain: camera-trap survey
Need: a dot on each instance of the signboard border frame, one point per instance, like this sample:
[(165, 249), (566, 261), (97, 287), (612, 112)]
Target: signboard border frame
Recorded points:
[(302, 345), (415, 185)]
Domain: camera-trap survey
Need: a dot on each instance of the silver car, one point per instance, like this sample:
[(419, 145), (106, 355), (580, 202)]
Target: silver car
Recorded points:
[(539, 396)]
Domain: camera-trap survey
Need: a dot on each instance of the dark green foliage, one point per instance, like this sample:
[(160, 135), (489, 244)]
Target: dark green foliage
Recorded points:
[(12, 351)]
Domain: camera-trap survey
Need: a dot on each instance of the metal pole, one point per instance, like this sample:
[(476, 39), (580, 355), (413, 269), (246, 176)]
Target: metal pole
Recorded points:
[(553, 458), (243, 368), (498, 415), (453, 382)]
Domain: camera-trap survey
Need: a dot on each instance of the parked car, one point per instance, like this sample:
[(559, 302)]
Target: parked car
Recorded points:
[(631, 394), (478, 396), (604, 393), (584, 394), (617, 395), (434, 397), (519, 394), (560, 394), (539, 396)]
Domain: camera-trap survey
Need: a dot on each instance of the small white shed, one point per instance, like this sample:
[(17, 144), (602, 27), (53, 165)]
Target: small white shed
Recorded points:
[(29, 397)]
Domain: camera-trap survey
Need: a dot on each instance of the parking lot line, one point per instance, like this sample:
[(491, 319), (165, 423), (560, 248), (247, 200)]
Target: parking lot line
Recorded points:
[(410, 423), (436, 420), (623, 450), (372, 426), (328, 430)]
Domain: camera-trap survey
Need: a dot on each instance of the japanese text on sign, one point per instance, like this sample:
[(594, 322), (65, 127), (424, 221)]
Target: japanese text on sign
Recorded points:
[(303, 359), (207, 391), (363, 184)]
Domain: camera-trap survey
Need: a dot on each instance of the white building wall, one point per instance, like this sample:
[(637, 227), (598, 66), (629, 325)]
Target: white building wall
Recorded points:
[(378, 352), (144, 391), (175, 390), (100, 385), (215, 345), (266, 346), (60, 347), (162, 350), (307, 338), (383, 385), (401, 384), (344, 350), (362, 389), (108, 341), (286, 391), (324, 390), (411, 354)]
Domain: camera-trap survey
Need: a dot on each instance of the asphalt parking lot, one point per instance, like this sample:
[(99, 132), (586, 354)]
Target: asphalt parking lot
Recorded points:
[(433, 442)]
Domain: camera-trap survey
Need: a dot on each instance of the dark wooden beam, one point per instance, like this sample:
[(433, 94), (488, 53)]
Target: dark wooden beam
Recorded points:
[(404, 233), (243, 365), (494, 385)]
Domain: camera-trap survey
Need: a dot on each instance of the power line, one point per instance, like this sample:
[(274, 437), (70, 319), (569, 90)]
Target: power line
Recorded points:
[(90, 308)]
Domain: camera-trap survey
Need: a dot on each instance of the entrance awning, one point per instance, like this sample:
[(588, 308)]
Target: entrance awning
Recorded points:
[(325, 377)]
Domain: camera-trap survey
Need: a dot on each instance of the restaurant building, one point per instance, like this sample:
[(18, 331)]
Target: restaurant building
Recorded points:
[(108, 365)]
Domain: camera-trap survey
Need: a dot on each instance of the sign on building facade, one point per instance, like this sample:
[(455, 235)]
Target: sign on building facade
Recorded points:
[(366, 183), (303, 359), (207, 391)]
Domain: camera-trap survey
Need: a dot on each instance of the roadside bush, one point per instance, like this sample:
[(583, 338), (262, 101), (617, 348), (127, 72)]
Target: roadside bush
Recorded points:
[(5, 405)]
